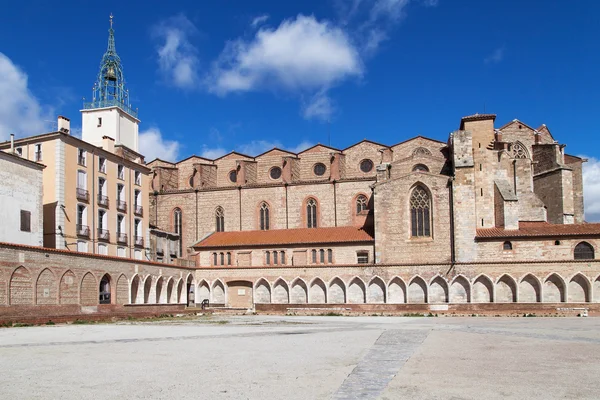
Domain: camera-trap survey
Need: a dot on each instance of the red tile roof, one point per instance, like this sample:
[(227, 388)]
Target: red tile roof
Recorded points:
[(277, 237), (541, 229)]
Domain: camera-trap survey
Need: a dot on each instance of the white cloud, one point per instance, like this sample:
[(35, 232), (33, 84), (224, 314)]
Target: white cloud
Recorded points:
[(257, 147), (252, 148), (495, 57), (388, 9), (177, 57), (591, 189), (319, 107), (212, 152), (259, 20), (152, 145), (305, 144), (20, 112)]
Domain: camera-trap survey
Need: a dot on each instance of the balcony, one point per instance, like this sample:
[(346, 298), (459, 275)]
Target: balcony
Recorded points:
[(139, 241), (38, 156), (103, 234), (121, 205), (81, 160), (121, 238), (83, 195), (102, 200), (139, 210), (83, 231)]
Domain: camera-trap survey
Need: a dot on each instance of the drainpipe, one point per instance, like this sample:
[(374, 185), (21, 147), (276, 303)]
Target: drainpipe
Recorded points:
[(287, 225), (240, 202), (196, 214), (452, 240), (93, 200), (334, 203)]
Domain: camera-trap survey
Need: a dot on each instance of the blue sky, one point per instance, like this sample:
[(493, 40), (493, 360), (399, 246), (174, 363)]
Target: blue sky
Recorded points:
[(213, 76)]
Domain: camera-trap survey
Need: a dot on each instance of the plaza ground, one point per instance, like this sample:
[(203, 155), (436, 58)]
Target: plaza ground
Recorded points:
[(275, 357)]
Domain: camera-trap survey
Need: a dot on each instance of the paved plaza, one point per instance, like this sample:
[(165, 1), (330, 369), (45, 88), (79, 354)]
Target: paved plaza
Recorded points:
[(272, 357)]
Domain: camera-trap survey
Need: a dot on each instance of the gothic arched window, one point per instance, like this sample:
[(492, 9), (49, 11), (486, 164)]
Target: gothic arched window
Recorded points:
[(519, 151), (311, 213), (584, 251), (420, 168), (220, 219), (264, 217), (420, 213), (177, 228), (361, 204), (421, 151)]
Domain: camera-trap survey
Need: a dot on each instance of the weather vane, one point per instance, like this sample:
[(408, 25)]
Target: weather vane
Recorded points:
[(111, 20)]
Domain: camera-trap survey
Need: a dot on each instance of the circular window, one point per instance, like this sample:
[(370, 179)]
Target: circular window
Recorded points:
[(275, 173), (233, 176), (366, 165), (319, 169)]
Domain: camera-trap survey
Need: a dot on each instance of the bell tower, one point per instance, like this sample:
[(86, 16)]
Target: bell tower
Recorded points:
[(110, 113)]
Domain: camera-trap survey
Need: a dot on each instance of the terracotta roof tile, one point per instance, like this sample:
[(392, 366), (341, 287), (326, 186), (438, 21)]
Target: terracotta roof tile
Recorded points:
[(541, 229), (277, 237)]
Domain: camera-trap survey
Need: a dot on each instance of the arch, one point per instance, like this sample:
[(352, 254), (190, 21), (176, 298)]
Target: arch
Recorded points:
[(579, 289), (506, 289), (336, 292), (180, 291), (507, 245), (583, 251), (20, 287), (203, 291), (262, 291), (596, 289), (438, 290), (421, 151), (529, 289), (122, 290), (420, 211), (264, 222), (356, 291), (161, 291), (170, 284), (281, 292), (68, 293), (460, 290), (554, 289), (396, 291), (147, 289), (218, 292), (299, 292), (376, 291), (88, 293), (420, 168), (105, 290), (519, 150), (45, 288), (312, 212), (219, 219), (317, 292), (417, 290), (136, 296), (482, 290)]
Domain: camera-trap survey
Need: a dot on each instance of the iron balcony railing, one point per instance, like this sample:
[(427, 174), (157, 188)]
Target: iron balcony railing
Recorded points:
[(121, 237), (103, 234), (38, 156), (83, 194), (121, 205), (81, 161), (83, 230), (139, 241), (139, 210), (110, 103), (102, 200)]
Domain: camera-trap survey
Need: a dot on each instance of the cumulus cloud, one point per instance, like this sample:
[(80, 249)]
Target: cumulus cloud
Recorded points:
[(252, 148), (177, 56), (152, 145), (305, 144), (591, 189), (212, 152), (20, 112), (259, 20), (495, 57), (319, 107)]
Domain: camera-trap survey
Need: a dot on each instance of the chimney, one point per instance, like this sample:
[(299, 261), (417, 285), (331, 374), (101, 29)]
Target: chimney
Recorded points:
[(12, 143), (64, 124)]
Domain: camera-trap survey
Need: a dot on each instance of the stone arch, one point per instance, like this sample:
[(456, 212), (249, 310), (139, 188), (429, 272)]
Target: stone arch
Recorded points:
[(299, 292), (417, 290), (281, 292), (190, 289), (396, 291), (20, 288), (579, 289), (88, 294), (376, 291), (519, 150), (596, 289), (122, 290), (421, 151), (317, 292), (438, 290), (68, 291), (105, 289), (460, 290), (218, 292), (483, 290), (161, 290), (356, 291), (180, 291), (134, 290), (147, 289), (45, 288), (262, 291), (337, 291), (529, 289), (506, 289), (203, 291), (170, 284), (554, 289)]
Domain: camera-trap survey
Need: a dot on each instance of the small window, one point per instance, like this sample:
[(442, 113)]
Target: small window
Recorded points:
[(38, 152), (366, 166), (275, 173), (214, 258), (362, 257), (233, 176), (283, 258), (25, 221), (121, 172), (222, 258), (102, 164), (19, 151), (99, 122), (81, 157), (264, 217), (268, 258), (82, 246), (319, 169), (507, 246), (275, 258), (322, 256), (584, 251), (361, 204), (228, 258), (420, 168), (314, 256), (220, 219), (138, 178), (329, 256), (557, 242)]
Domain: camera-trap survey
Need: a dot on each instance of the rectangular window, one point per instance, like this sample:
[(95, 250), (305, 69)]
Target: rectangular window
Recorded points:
[(322, 256), (120, 192), (81, 157), (137, 254), (268, 258), (81, 220), (99, 122), (283, 258), (121, 251), (362, 257), (275, 257), (314, 256), (38, 152), (120, 224), (228, 258), (214, 258), (329, 256), (102, 164), (222, 258), (121, 172), (25, 221), (138, 178), (81, 180)]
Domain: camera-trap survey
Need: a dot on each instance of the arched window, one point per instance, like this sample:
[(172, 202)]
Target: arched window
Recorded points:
[(283, 258), (420, 212), (507, 245), (314, 256), (222, 258), (220, 219), (105, 290), (275, 254), (584, 251), (214, 258), (519, 151), (329, 256), (421, 151), (420, 168), (322, 256), (361, 204), (264, 217), (177, 228), (268, 258), (311, 213)]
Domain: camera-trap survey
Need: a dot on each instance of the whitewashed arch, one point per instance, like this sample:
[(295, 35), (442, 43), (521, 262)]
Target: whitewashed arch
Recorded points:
[(460, 290), (203, 291), (281, 291), (376, 291), (170, 292), (218, 292), (356, 293), (336, 291), (506, 289), (317, 291), (417, 290), (396, 291), (530, 289), (299, 291), (438, 290), (149, 290), (482, 290), (579, 289), (554, 289), (262, 291)]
